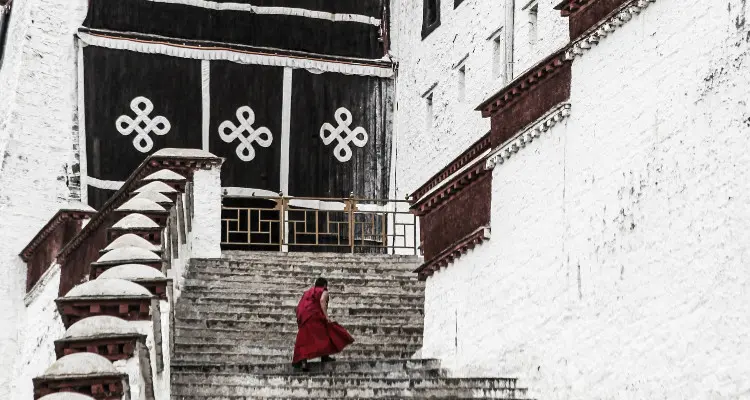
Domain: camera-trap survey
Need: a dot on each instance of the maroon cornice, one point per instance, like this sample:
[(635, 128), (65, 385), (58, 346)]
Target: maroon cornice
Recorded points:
[(60, 217), (150, 165), (584, 14), (450, 189), (453, 252), (476, 149), (111, 347), (514, 91), (100, 387)]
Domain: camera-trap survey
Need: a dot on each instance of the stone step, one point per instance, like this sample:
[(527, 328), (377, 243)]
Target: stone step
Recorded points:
[(301, 255), (292, 297), (282, 356), (185, 347), (340, 367), (218, 324), (359, 389), (252, 383), (282, 340), (296, 291), (375, 267), (413, 374), (184, 308), (333, 283), (289, 317), (260, 335), (306, 273)]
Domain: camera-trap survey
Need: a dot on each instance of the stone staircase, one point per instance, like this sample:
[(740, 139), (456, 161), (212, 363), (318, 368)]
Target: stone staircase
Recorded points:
[(235, 328)]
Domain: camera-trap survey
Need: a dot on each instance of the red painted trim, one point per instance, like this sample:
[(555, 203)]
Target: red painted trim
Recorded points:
[(60, 216), (113, 348), (474, 151), (101, 387), (127, 308), (452, 253), (450, 189), (584, 14), (522, 85)]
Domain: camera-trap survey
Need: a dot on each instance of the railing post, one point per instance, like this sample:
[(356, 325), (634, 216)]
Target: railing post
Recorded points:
[(283, 232), (350, 205)]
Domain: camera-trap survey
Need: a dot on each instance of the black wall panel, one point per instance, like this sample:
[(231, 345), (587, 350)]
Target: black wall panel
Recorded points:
[(353, 39), (113, 80), (314, 168), (260, 88)]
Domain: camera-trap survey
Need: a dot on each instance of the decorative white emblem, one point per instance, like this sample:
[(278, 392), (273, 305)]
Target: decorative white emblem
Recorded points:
[(143, 125), (246, 118), (358, 136)]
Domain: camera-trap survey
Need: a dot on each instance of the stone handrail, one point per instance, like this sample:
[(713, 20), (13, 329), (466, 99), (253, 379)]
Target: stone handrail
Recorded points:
[(75, 258)]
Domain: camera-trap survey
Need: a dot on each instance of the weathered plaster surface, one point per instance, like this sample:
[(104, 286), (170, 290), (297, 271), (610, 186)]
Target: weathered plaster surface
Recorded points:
[(40, 326), (205, 237), (465, 36), (617, 264), (37, 103)]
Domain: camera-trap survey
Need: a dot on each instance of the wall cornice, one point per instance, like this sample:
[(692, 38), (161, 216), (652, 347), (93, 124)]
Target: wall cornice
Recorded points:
[(453, 252), (527, 135)]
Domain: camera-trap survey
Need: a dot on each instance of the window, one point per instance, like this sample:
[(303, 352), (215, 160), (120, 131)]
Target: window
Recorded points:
[(428, 113), (457, 3), (430, 17), (498, 55), (4, 22), (533, 20), (462, 83)]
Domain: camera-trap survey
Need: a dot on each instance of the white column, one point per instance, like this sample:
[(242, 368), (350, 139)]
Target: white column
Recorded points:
[(205, 238)]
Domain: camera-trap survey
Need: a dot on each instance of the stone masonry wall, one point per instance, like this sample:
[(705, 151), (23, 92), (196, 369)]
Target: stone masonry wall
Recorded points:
[(617, 263), (422, 149), (37, 104)]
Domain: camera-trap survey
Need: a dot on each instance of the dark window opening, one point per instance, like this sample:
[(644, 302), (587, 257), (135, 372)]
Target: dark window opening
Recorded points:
[(457, 3), (5, 6), (430, 17)]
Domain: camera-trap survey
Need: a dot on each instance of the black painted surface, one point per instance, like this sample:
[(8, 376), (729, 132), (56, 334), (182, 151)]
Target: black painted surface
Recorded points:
[(98, 197), (261, 88), (113, 78), (371, 8), (314, 171), (311, 35)]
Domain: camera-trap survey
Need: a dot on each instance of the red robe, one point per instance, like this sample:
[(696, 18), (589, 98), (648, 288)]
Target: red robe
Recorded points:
[(316, 336)]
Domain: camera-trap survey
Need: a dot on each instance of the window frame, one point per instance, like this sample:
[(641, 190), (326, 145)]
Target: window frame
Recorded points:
[(429, 28), (5, 13)]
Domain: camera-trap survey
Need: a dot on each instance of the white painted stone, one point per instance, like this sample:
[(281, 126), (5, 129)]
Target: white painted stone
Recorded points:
[(127, 254), (156, 186), (37, 105), (184, 153), (131, 272), (41, 326), (135, 221), (108, 288), (465, 37), (164, 175), (131, 240), (66, 396), (616, 268), (80, 364), (154, 196), (140, 205), (205, 237), (98, 326), (78, 206)]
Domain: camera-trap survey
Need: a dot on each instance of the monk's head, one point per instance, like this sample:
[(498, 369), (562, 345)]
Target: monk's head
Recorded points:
[(321, 282)]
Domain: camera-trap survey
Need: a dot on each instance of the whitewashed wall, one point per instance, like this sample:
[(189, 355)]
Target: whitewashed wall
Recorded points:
[(37, 103), (422, 147), (40, 325), (617, 264)]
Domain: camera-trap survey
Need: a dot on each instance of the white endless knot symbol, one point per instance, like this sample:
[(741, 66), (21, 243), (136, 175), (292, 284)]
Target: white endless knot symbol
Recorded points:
[(358, 136), (142, 124), (246, 118)]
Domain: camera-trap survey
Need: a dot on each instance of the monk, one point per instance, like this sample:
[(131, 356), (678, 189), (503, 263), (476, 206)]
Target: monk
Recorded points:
[(318, 336)]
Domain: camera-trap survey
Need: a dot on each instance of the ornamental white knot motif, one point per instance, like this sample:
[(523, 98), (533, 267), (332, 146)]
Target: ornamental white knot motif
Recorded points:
[(343, 135), (143, 124), (229, 132)]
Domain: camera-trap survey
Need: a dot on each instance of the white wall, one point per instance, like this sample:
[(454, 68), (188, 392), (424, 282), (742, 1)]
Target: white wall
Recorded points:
[(40, 326), (37, 102), (616, 267), (423, 148)]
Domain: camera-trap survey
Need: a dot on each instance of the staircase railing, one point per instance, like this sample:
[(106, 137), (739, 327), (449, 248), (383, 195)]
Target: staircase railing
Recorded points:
[(349, 225)]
